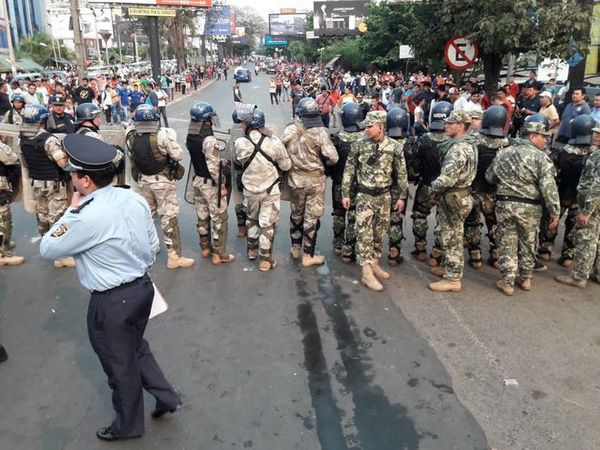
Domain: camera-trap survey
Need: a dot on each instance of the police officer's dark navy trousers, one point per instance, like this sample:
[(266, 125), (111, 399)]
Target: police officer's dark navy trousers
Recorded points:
[(116, 322)]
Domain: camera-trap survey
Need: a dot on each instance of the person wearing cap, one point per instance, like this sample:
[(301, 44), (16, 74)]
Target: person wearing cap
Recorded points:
[(476, 118), (309, 146), (44, 156), (452, 194), (569, 161), (58, 120), (110, 233), (15, 114), (549, 110), (10, 176), (376, 164), (586, 262), (525, 180), (83, 93)]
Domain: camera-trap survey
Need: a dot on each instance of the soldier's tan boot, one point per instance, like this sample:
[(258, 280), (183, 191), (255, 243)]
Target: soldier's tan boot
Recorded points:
[(11, 260), (65, 262), (265, 266), (368, 279), (315, 260), (437, 271), (222, 259), (378, 271), (175, 261), (570, 281), (506, 288), (296, 251), (205, 249), (523, 283), (242, 231), (445, 286)]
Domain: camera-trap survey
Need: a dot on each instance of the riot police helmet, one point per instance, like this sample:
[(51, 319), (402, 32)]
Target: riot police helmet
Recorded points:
[(35, 113), (235, 118), (145, 113), (307, 106), (202, 111), (256, 121), (18, 98), (494, 121), (352, 115), (397, 123), (440, 111), (86, 111), (581, 130)]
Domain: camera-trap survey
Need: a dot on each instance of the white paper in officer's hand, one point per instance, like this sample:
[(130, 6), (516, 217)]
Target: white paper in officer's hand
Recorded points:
[(159, 304)]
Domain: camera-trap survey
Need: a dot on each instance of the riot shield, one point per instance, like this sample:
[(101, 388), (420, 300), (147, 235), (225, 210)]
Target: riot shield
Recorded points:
[(22, 189), (115, 136), (130, 172)]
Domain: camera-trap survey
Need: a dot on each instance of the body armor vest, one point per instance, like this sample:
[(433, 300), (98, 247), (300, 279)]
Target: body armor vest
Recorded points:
[(63, 124), (194, 145), (485, 158), (571, 166), (429, 154), (39, 165), (146, 156), (343, 148)]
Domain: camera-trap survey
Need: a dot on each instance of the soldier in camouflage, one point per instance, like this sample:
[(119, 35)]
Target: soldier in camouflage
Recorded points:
[(9, 175), (376, 164), (525, 179), (309, 146), (425, 165), (88, 120), (397, 129), (570, 162), (14, 115), (492, 138), (586, 262), (452, 194), (262, 156), (235, 132), (344, 220)]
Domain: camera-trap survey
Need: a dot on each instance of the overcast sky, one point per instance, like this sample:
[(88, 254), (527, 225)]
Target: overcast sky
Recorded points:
[(264, 7)]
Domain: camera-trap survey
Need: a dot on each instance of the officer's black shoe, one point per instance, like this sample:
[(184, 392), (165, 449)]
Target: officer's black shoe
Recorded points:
[(159, 412), (3, 355), (105, 434)]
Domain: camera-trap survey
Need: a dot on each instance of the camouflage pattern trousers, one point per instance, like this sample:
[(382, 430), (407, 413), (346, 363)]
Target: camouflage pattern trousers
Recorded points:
[(547, 236), (372, 223), (262, 211), (452, 211), (161, 195), (212, 219), (307, 206), (5, 229), (518, 226), (421, 210), (483, 203), (396, 232), (587, 245), (50, 203), (344, 223)]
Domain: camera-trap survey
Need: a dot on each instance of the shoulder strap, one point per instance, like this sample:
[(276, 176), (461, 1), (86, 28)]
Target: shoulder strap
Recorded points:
[(257, 150)]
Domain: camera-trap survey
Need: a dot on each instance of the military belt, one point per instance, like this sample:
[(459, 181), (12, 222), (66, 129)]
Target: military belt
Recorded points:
[(512, 198), (373, 191)]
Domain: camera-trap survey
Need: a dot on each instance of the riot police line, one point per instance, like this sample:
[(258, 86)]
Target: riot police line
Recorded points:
[(294, 168)]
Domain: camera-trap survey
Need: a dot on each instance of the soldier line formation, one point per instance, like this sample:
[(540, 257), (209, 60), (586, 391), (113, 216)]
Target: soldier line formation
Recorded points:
[(464, 165)]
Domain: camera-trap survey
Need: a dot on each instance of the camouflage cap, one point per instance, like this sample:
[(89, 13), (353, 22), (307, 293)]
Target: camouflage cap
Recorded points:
[(458, 117), (535, 127), (476, 114), (374, 117)]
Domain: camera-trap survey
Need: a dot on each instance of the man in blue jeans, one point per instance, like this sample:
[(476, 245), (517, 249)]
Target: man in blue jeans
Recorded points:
[(123, 91)]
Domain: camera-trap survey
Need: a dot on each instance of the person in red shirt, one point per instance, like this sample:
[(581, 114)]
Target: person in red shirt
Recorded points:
[(326, 104), (513, 87), (376, 105)]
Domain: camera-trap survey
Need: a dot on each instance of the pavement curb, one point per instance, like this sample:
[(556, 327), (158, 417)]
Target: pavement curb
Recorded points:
[(183, 97)]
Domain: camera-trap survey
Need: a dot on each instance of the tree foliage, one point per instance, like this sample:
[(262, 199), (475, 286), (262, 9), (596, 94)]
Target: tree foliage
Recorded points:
[(39, 48)]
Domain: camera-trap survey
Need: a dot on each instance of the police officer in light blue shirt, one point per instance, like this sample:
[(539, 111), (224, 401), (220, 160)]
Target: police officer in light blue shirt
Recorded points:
[(110, 233)]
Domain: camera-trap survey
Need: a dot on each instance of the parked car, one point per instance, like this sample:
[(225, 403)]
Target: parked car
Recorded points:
[(242, 74), (27, 77), (48, 74)]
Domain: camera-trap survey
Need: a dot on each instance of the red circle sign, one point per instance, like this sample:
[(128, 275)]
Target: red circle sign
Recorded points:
[(460, 53)]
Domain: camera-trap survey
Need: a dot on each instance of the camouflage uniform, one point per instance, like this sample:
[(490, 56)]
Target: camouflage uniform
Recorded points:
[(344, 220), (525, 178), (9, 159), (260, 178), (89, 131), (50, 195), (396, 232), (236, 132), (484, 200), (587, 239), (426, 166), (459, 165), (160, 190), (567, 183), (307, 149), (13, 116), (380, 174)]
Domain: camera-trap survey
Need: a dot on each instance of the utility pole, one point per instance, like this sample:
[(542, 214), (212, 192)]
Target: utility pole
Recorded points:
[(78, 39), (11, 50)]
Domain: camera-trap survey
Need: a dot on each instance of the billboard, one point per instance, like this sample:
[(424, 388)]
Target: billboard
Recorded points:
[(218, 21), (339, 18), (197, 3), (275, 40), (287, 24)]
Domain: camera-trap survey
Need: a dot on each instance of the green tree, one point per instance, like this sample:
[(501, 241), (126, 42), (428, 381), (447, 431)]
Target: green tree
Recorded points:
[(39, 48)]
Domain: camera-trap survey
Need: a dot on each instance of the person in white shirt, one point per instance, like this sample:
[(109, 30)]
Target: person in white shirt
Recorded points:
[(31, 97), (473, 103)]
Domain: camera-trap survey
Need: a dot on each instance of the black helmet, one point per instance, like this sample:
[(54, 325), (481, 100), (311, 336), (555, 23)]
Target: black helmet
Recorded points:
[(351, 116), (397, 123), (440, 111), (581, 130), (256, 120), (201, 111), (494, 121), (86, 111)]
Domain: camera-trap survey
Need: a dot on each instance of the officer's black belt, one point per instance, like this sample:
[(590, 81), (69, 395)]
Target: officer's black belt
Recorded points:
[(374, 192), (512, 198), (123, 286)]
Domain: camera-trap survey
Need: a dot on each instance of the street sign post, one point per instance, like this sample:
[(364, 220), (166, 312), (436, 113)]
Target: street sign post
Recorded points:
[(460, 53)]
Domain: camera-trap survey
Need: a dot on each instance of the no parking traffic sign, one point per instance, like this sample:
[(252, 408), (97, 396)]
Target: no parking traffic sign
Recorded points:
[(460, 53)]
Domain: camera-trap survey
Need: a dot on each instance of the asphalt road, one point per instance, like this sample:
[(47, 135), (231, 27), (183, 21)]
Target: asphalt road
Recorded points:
[(305, 358)]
